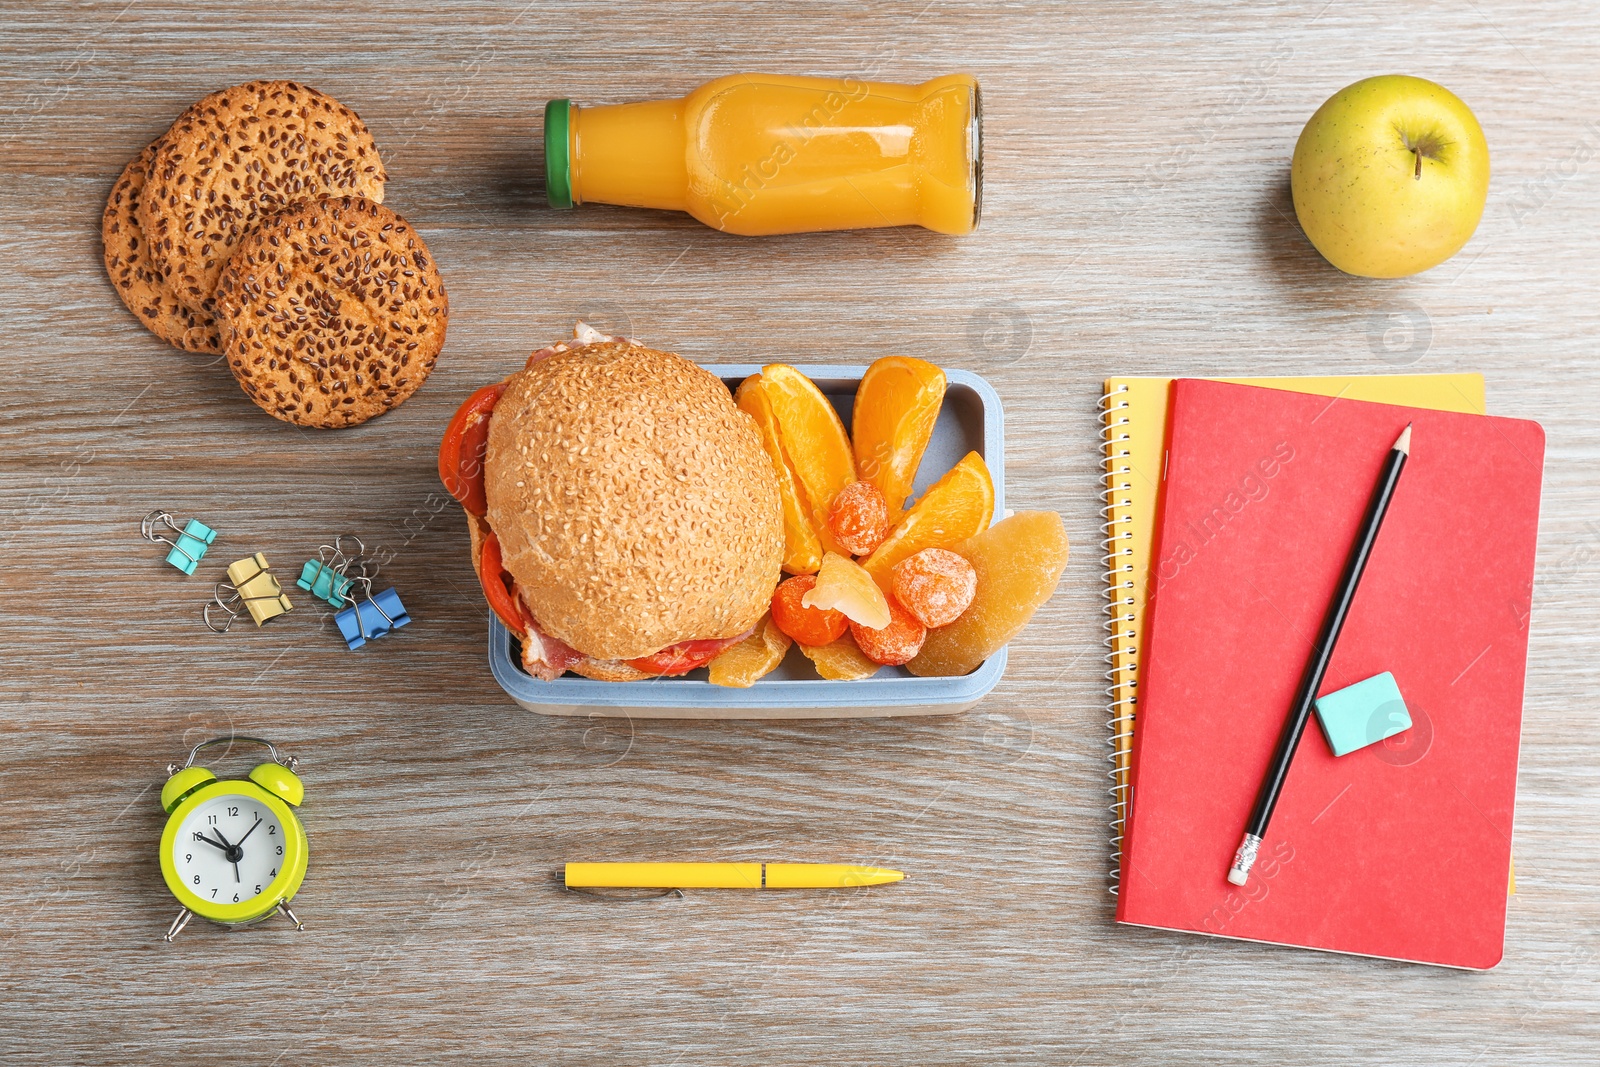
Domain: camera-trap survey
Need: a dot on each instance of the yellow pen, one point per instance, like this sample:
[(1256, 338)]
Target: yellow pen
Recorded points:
[(723, 875)]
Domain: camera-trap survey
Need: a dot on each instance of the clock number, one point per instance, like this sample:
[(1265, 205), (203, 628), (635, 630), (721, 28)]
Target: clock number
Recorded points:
[(258, 891), (272, 831), (188, 857), (211, 820), (233, 811), (198, 836), (280, 850), (271, 874), (197, 879), (236, 898), (213, 894)]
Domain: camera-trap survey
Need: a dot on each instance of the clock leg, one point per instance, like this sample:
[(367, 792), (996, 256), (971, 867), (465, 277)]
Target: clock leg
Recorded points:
[(184, 915), (287, 914)]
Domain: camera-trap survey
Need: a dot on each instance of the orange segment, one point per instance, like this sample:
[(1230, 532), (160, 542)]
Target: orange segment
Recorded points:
[(740, 666), (953, 509), (814, 443), (802, 552), (1019, 561), (897, 403), (841, 661)]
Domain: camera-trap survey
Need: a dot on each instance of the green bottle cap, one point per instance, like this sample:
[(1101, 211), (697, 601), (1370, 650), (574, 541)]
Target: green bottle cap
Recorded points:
[(557, 158)]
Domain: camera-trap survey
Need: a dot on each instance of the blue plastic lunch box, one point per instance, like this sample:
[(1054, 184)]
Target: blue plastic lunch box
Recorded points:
[(970, 421)]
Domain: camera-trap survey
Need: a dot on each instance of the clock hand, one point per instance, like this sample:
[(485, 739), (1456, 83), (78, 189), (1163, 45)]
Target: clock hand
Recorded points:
[(248, 832), (213, 844), (231, 853)]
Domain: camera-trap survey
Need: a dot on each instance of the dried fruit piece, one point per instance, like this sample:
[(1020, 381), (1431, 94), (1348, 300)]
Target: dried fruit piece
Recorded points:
[(743, 664), (802, 552), (893, 644), (814, 442), (842, 585), (840, 661), (807, 625), (954, 508), (859, 518), (897, 404), (1019, 561), (936, 585)]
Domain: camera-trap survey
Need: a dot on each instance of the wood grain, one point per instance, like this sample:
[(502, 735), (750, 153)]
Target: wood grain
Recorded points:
[(1137, 220)]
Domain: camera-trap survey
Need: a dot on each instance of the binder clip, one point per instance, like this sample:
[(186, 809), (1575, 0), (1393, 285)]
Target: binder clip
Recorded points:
[(328, 576), (323, 581), (190, 547), (251, 584), (366, 621)]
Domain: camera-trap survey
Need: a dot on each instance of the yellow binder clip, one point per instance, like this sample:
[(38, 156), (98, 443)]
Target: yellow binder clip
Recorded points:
[(252, 584)]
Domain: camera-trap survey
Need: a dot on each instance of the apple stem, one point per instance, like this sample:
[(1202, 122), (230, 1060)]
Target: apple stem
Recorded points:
[(1418, 153)]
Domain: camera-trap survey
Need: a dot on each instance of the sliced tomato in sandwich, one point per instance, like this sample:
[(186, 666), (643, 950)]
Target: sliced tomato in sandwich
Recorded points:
[(497, 587), (462, 450), (682, 657)]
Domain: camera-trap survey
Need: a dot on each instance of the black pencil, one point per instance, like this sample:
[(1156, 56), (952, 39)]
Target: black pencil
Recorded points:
[(1321, 653)]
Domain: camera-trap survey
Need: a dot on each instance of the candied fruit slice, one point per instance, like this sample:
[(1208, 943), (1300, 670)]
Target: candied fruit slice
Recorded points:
[(897, 404), (843, 586), (893, 644), (1019, 561), (859, 518), (840, 661), (802, 552), (953, 509), (814, 442), (807, 625), (936, 585), (743, 664)]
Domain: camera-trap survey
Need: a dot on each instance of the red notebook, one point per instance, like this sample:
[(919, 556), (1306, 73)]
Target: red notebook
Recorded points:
[(1400, 849)]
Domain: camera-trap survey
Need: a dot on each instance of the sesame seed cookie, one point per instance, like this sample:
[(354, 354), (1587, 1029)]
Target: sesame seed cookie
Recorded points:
[(332, 312), (239, 153), (128, 266)]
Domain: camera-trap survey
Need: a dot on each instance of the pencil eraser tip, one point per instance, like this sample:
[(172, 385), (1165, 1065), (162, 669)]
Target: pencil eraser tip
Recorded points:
[(1238, 877)]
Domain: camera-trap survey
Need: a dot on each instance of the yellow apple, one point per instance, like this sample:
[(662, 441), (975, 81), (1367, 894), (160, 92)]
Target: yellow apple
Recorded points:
[(1390, 176)]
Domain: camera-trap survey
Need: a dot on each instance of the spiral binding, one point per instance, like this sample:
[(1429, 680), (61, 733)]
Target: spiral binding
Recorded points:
[(1120, 657)]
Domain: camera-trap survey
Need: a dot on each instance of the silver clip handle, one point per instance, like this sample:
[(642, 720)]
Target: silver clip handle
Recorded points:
[(283, 761)]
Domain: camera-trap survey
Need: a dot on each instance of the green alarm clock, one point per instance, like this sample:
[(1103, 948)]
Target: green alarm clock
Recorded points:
[(233, 851)]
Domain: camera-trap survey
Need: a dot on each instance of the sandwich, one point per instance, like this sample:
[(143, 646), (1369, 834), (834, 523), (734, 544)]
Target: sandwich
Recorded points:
[(624, 514)]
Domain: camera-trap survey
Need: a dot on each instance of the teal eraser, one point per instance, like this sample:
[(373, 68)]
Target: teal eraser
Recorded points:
[(1363, 714)]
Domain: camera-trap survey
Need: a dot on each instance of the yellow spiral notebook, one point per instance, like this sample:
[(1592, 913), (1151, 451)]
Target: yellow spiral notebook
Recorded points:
[(1133, 432)]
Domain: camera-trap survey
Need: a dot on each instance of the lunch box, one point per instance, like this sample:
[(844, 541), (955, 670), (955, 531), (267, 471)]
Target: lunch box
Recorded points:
[(969, 421)]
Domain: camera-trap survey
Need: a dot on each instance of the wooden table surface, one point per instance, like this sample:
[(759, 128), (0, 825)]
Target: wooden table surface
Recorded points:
[(1137, 220)]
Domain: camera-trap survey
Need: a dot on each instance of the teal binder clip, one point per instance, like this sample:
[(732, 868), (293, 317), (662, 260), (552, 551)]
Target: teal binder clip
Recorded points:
[(321, 580), (194, 537), (330, 576)]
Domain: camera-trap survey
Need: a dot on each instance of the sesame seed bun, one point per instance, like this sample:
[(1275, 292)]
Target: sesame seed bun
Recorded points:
[(634, 503), (609, 670)]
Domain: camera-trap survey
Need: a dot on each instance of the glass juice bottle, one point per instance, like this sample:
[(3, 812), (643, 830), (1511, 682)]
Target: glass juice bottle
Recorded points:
[(770, 153)]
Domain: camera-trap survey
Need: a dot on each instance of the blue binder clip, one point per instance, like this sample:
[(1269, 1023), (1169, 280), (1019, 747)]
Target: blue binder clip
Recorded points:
[(194, 537), (371, 618)]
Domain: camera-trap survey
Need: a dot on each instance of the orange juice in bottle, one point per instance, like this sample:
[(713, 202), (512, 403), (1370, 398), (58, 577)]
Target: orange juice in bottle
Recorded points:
[(771, 153)]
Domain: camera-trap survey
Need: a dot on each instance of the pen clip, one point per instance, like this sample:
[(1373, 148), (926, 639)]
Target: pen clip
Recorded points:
[(611, 895)]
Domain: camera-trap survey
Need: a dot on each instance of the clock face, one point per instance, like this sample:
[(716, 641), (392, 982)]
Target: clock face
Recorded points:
[(229, 849)]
